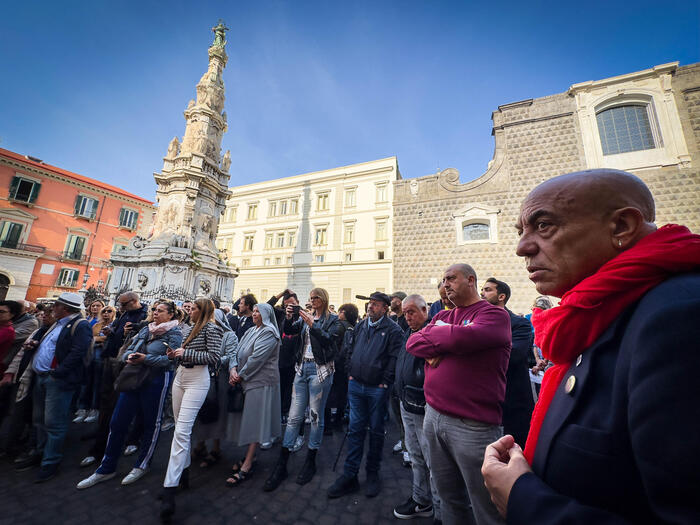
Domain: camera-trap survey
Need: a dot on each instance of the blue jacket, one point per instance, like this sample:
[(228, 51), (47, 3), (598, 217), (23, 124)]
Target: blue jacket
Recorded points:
[(621, 446), (70, 351), (155, 349), (374, 352)]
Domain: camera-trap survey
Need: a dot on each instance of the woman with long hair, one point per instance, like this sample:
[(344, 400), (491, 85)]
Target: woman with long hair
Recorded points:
[(147, 349), (200, 351), (255, 368), (314, 377)]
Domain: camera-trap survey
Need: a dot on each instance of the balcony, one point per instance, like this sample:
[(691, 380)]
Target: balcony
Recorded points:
[(13, 245), (73, 256)]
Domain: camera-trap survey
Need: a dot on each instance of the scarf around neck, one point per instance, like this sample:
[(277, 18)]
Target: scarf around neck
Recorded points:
[(587, 310), (160, 329)]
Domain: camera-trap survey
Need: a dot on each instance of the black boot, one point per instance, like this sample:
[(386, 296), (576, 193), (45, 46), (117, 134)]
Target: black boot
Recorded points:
[(280, 472), (167, 504), (185, 479), (309, 468)]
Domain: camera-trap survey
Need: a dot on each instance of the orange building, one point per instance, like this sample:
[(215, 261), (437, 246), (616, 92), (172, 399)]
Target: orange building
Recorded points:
[(58, 228)]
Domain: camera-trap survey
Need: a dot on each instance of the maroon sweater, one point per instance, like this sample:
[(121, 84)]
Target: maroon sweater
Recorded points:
[(470, 381)]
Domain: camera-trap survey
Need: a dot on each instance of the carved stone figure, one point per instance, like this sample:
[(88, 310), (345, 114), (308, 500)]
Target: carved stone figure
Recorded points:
[(173, 148), (191, 103), (205, 286), (220, 34), (142, 279), (226, 161)]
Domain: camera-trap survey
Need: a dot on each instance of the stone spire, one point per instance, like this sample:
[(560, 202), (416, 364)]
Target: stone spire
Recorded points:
[(192, 192)]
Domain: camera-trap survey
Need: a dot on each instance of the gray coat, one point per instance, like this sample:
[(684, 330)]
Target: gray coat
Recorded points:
[(257, 359)]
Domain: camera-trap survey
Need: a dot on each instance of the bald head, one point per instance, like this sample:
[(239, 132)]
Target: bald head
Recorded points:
[(600, 191), (571, 225)]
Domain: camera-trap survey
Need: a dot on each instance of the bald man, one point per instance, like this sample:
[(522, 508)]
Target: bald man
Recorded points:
[(612, 438)]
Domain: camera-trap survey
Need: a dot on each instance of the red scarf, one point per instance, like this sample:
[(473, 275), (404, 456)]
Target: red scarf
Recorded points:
[(592, 305)]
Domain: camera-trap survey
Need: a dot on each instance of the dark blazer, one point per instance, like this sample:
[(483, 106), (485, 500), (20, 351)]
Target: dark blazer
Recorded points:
[(372, 359), (621, 446), (70, 351), (323, 334), (518, 403)]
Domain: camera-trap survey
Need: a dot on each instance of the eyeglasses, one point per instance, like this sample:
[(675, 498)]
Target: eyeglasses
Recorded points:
[(315, 297), (107, 311)]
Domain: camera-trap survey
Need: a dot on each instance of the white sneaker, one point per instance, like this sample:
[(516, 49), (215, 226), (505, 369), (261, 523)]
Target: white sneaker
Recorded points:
[(398, 447), (94, 480), (92, 416), (87, 461), (406, 459), (266, 446), (297, 444), (131, 449), (135, 475), (80, 416)]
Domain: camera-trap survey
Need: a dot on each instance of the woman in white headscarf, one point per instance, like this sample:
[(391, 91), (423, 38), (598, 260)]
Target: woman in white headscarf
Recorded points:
[(255, 368)]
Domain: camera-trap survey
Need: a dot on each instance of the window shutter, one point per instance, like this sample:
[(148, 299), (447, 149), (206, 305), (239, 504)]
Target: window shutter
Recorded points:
[(76, 208), (79, 245), (74, 280), (121, 217), (93, 210), (13, 187), (134, 220), (35, 192)]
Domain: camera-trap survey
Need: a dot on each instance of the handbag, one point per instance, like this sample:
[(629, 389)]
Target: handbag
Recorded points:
[(209, 413), (131, 378), (236, 398)]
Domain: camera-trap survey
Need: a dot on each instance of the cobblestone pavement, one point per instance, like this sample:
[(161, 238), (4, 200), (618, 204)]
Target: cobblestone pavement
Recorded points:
[(208, 500)]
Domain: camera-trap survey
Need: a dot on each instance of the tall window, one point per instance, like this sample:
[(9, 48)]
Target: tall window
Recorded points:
[(228, 245), (68, 278), (380, 255), (231, 214), (272, 209), (348, 257), (86, 207), (625, 128), (350, 195), (10, 232), (75, 247), (293, 206), (24, 190), (128, 218), (268, 241), (319, 258), (283, 207), (322, 200), (320, 239), (291, 239), (278, 260), (349, 234), (380, 233), (248, 242), (382, 193), (279, 240), (245, 263), (476, 231), (252, 212)]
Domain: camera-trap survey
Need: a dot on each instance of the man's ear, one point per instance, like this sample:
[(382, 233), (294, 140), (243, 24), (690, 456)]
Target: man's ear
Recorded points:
[(501, 297), (627, 226)]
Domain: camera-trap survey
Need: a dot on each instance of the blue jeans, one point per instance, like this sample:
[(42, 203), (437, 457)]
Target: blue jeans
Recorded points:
[(308, 391), (51, 416), (149, 401), (368, 407)]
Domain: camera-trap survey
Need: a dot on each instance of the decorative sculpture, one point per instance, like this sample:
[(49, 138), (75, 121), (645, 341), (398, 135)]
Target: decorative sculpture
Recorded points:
[(220, 34), (226, 161), (173, 148)]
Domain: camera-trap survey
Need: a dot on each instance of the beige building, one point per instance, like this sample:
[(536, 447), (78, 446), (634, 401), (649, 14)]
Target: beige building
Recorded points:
[(331, 229), (647, 122)]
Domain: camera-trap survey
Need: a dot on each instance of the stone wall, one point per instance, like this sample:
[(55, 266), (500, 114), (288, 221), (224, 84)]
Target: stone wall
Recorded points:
[(534, 141)]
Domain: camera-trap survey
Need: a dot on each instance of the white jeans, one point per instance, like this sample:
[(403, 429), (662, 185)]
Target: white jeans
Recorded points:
[(189, 392)]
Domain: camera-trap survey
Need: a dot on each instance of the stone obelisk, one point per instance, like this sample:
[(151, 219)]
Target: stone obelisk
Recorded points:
[(179, 259)]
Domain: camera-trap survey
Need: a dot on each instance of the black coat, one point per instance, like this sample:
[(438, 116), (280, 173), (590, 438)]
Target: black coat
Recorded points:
[(518, 403), (374, 352), (70, 351), (621, 446), (410, 376), (323, 334)]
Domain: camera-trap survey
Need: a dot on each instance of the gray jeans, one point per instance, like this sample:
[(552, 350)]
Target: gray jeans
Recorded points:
[(424, 491), (456, 451)]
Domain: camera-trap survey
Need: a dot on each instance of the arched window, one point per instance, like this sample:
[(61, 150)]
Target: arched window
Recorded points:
[(476, 231), (626, 128)]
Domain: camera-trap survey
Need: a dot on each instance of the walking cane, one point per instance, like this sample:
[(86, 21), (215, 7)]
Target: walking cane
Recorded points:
[(340, 450)]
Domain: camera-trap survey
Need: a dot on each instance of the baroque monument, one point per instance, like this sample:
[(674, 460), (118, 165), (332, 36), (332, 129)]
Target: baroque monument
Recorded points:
[(179, 260)]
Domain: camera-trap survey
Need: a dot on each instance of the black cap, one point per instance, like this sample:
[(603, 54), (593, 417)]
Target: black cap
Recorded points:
[(376, 296), (399, 295)]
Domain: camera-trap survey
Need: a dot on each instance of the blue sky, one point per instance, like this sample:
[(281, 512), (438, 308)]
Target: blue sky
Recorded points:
[(99, 87)]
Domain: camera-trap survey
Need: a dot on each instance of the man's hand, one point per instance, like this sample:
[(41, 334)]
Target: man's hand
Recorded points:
[(433, 361), (503, 464), (127, 327)]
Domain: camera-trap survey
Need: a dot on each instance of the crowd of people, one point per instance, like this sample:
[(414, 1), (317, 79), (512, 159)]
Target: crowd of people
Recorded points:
[(457, 376)]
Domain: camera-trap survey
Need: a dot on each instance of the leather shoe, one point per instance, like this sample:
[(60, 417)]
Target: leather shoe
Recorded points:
[(373, 486), (46, 472), (343, 485)]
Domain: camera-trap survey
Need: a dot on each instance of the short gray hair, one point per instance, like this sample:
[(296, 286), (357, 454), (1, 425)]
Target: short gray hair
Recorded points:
[(417, 300)]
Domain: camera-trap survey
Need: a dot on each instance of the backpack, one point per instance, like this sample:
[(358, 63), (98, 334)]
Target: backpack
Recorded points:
[(87, 358)]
